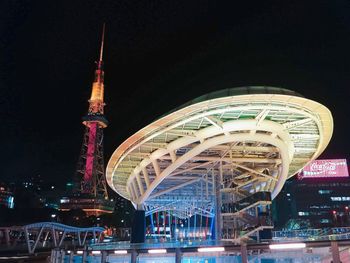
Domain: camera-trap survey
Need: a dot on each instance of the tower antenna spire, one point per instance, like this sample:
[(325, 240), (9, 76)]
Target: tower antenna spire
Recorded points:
[(102, 42)]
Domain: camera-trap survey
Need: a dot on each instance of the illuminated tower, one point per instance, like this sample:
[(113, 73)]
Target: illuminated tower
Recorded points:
[(90, 193), (90, 168)]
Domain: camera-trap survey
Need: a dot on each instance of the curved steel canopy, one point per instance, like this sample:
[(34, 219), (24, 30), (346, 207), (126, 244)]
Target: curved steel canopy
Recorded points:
[(253, 138)]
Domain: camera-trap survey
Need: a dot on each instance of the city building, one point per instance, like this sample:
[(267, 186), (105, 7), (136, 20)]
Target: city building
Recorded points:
[(6, 197), (214, 165), (90, 187), (318, 197)]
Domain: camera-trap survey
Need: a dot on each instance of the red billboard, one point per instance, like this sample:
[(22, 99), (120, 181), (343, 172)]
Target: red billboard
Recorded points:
[(325, 169)]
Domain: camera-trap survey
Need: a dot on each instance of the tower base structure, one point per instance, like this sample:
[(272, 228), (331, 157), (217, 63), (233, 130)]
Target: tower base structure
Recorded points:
[(92, 206)]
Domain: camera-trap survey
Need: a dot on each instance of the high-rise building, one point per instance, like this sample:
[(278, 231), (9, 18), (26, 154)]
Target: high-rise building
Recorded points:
[(319, 197), (90, 189)]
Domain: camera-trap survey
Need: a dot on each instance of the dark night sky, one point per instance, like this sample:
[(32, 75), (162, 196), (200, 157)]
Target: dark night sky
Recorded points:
[(158, 55)]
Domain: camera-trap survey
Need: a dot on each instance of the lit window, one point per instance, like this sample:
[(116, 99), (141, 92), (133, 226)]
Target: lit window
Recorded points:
[(64, 200), (303, 213), (322, 192), (340, 198), (335, 198)]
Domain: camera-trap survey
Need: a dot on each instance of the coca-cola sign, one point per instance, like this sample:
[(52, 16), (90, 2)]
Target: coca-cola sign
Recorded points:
[(325, 168)]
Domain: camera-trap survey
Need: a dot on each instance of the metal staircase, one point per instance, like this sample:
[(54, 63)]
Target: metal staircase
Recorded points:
[(246, 218)]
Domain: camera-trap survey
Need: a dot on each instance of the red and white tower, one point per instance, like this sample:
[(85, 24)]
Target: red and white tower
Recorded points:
[(90, 193)]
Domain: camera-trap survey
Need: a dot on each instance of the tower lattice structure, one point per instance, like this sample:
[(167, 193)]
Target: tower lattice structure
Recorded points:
[(90, 191), (90, 168)]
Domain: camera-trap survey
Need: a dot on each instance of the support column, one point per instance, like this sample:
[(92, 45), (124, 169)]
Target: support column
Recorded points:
[(53, 235), (164, 223), (195, 226), (152, 224), (27, 240), (71, 257), (188, 227), (104, 256), (212, 227), (7, 236), (178, 255), (244, 254), (85, 254), (133, 256), (175, 227), (138, 228), (53, 256), (94, 236), (218, 200), (84, 239), (169, 220), (63, 255), (335, 252), (79, 238)]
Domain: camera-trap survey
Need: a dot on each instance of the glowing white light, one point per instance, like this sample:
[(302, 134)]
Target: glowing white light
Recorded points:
[(53, 216), (157, 251), (68, 251), (211, 249), (96, 252), (120, 252), (287, 246), (79, 252)]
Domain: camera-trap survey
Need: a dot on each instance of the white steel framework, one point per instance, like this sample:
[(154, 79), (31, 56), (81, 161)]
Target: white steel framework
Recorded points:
[(223, 146)]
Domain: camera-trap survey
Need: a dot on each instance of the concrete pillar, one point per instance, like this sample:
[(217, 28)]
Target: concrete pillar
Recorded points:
[(335, 251), (178, 255), (138, 229), (244, 254), (133, 256), (103, 256)]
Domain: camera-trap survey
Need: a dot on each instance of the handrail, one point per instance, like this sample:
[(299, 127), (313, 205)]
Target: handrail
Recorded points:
[(63, 227)]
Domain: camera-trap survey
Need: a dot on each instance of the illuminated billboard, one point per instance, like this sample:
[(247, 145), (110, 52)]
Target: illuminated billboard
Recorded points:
[(325, 169)]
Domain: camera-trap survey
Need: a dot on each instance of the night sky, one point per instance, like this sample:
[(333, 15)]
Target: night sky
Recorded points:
[(158, 55)]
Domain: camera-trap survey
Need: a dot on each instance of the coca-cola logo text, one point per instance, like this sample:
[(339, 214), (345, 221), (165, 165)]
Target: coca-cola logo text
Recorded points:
[(326, 166)]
